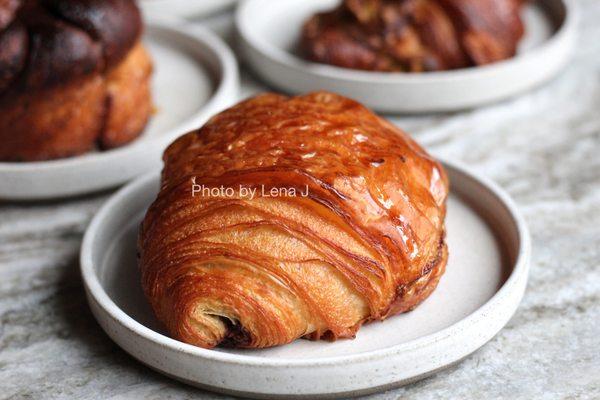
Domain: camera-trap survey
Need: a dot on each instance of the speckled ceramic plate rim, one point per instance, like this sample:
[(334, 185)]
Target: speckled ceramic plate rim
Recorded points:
[(225, 92), (517, 277)]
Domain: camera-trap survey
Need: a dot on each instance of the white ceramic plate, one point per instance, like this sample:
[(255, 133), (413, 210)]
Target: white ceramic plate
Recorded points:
[(484, 283), (195, 76), (268, 33), (185, 8)]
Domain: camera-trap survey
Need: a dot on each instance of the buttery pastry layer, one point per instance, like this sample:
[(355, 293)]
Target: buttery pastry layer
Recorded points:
[(361, 239)]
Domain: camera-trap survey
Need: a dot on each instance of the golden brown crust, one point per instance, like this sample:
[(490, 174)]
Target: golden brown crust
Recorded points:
[(366, 242), (414, 35), (63, 65), (128, 100), (72, 119), (61, 124)]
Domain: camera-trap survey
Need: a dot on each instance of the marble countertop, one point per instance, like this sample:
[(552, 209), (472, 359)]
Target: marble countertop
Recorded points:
[(542, 147)]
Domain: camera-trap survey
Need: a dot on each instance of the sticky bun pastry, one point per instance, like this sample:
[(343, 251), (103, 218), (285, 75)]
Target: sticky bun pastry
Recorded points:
[(414, 35), (293, 217), (74, 76)]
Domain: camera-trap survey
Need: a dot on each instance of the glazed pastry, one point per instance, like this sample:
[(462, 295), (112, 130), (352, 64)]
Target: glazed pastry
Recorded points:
[(74, 76), (414, 35), (292, 217)]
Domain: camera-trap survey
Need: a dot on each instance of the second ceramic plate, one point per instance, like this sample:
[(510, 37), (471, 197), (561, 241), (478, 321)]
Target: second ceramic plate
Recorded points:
[(190, 9), (483, 284), (195, 76), (269, 33)]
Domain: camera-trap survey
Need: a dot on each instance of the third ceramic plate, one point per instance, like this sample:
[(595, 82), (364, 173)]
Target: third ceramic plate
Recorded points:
[(269, 33)]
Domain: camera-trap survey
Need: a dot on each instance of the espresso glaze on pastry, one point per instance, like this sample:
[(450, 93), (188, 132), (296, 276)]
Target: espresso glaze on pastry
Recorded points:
[(414, 35), (367, 242), (73, 76)]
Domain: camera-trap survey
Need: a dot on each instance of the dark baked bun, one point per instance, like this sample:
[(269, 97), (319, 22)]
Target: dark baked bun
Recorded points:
[(414, 35), (63, 65)]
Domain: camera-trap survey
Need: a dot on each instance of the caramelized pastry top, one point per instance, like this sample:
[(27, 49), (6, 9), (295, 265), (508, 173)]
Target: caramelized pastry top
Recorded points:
[(362, 166), (414, 35), (362, 239), (44, 43)]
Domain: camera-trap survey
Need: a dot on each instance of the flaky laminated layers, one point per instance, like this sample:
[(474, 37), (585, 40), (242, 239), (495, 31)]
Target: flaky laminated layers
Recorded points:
[(362, 238)]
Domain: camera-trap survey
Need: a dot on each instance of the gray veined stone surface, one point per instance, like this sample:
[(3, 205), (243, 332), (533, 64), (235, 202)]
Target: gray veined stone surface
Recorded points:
[(542, 147)]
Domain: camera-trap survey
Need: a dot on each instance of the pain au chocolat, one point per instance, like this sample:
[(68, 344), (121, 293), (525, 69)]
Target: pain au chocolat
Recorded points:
[(414, 35), (74, 76), (320, 217)]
